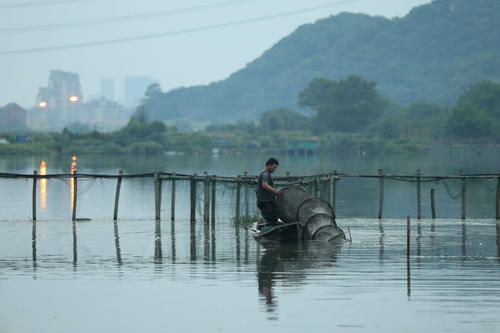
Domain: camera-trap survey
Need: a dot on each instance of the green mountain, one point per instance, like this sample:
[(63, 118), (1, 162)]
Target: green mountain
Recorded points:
[(432, 54)]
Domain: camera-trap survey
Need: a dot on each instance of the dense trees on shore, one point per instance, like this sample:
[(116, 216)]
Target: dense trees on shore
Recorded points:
[(349, 115)]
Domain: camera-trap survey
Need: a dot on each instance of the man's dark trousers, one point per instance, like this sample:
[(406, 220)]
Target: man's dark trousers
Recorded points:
[(268, 210)]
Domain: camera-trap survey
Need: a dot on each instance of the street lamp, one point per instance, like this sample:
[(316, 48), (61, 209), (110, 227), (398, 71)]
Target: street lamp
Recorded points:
[(73, 99), (42, 105)]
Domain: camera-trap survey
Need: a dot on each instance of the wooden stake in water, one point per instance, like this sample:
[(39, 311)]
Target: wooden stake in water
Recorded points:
[(334, 192), (214, 191), (172, 203), (433, 204), (330, 191), (193, 197), (206, 199), (34, 195), (238, 198), (117, 194), (419, 196), (75, 194), (247, 199), (157, 195), (381, 193), (463, 195)]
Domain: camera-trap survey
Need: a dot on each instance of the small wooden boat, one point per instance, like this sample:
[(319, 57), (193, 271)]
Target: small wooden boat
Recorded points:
[(282, 232)]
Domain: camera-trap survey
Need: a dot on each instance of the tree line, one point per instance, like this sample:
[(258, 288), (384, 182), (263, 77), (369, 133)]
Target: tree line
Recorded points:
[(347, 115)]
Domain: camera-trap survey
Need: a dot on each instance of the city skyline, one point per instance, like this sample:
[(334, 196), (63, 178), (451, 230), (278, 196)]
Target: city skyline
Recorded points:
[(192, 57)]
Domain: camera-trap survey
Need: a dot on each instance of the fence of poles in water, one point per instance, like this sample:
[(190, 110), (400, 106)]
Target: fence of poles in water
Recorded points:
[(243, 183)]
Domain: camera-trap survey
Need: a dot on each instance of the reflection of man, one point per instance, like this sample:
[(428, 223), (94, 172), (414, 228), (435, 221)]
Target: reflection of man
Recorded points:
[(267, 268), (266, 192)]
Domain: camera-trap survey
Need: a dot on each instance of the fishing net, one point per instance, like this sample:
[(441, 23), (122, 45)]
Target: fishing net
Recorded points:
[(314, 214), (314, 206), (288, 202)]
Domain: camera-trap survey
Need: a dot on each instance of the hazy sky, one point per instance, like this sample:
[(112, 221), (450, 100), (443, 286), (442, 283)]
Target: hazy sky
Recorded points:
[(197, 44)]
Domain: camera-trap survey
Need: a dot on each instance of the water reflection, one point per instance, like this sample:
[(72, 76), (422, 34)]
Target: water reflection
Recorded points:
[(193, 241), (237, 228), (117, 243), (206, 241), (433, 230), (43, 186), (419, 241), (33, 243), (268, 268), (381, 241), (464, 241), (72, 182), (497, 227), (158, 257), (290, 262), (311, 275), (172, 240), (75, 253), (213, 243)]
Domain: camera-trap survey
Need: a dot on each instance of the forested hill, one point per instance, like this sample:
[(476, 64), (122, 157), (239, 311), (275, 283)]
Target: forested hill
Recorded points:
[(432, 54)]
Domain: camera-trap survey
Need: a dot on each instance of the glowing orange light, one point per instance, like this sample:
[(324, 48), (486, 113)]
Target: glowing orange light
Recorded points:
[(43, 186), (72, 184), (73, 99), (43, 104)]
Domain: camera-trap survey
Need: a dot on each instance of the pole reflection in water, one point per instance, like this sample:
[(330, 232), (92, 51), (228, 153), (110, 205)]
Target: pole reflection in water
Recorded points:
[(247, 249), (158, 251), (419, 242), (498, 239), (72, 182), (172, 238), (212, 236), (206, 241), (33, 243), (381, 241), (433, 236), (43, 186), (408, 247), (193, 241), (117, 243), (464, 241), (237, 228), (75, 254)]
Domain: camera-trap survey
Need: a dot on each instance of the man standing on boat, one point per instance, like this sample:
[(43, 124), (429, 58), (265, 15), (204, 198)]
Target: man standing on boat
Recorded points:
[(266, 192)]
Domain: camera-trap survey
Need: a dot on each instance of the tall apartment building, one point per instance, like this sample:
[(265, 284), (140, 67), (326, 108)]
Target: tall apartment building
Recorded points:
[(61, 99)]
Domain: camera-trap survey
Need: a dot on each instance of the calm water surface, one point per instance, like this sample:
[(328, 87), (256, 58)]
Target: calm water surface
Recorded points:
[(137, 276), (140, 276)]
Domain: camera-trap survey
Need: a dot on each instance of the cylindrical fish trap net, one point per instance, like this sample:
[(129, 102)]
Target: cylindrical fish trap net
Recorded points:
[(315, 215)]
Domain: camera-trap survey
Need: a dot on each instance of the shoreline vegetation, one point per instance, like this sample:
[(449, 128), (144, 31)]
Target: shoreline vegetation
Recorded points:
[(348, 116)]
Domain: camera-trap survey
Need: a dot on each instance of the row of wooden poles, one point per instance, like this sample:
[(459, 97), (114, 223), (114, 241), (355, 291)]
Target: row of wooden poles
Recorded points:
[(245, 181)]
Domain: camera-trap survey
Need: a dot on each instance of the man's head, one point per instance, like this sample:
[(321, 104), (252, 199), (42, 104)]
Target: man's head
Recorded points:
[(272, 164)]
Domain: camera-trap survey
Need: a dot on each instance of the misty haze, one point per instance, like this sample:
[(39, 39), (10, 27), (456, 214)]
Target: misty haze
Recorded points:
[(249, 165)]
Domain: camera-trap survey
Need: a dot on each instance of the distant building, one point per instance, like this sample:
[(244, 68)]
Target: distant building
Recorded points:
[(12, 117), (134, 89), (302, 146), (61, 99), (105, 115), (108, 89)]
